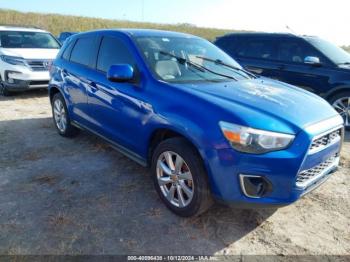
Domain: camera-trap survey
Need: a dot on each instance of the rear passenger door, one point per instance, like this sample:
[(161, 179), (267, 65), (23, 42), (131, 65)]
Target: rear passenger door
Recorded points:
[(76, 73), (258, 55), (291, 55)]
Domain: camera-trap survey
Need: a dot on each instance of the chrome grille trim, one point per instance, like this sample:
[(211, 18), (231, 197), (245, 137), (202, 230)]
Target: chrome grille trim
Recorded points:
[(309, 176), (325, 140), (38, 65)]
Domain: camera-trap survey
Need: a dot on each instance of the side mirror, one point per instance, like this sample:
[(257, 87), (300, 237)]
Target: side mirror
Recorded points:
[(120, 73), (312, 60)]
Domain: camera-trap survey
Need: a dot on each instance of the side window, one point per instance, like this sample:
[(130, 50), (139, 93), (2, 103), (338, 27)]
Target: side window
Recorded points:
[(67, 51), (255, 48), (227, 44), (113, 51), (83, 50), (295, 51)]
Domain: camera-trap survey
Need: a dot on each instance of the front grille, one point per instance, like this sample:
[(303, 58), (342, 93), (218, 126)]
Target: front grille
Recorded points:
[(38, 65), (307, 176), (322, 142)]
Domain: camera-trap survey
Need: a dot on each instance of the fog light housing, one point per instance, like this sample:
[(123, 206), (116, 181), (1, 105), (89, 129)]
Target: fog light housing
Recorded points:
[(10, 76), (255, 186)]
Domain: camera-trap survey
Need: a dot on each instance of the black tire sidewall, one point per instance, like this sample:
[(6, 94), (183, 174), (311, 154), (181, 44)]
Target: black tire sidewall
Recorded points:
[(195, 164)]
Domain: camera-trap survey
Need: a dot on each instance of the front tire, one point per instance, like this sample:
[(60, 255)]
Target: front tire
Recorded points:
[(61, 118), (180, 178), (3, 90), (341, 103)]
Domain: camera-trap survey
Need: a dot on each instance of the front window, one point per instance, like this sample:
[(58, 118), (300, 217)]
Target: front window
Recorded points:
[(336, 54), (20, 39), (188, 59)]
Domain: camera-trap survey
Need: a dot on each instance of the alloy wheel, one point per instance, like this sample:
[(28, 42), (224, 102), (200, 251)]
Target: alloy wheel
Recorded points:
[(342, 106), (175, 179), (60, 115)]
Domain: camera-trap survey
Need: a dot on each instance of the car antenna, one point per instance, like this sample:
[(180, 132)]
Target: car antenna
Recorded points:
[(291, 30)]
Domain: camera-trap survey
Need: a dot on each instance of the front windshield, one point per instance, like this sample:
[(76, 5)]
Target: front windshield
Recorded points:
[(336, 54), (185, 59), (20, 39)]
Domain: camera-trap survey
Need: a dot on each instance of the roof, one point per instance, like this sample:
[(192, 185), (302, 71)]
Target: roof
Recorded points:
[(20, 28), (154, 32), (144, 32), (264, 34)]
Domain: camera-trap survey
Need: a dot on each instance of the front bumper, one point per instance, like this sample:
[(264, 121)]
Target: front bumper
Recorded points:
[(280, 168), (20, 78)]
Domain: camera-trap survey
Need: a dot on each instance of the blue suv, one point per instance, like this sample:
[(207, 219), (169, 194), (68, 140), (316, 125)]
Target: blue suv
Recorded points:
[(305, 61), (208, 129)]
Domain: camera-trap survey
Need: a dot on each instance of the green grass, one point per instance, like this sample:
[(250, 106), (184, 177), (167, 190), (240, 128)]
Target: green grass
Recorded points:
[(56, 23)]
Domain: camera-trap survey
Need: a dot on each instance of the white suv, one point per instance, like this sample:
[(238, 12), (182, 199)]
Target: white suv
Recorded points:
[(25, 57)]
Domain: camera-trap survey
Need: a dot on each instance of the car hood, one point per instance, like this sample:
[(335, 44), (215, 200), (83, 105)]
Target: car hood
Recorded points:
[(31, 53), (265, 104)]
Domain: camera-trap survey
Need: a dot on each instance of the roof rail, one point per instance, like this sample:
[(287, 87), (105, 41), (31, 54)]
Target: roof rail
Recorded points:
[(18, 25)]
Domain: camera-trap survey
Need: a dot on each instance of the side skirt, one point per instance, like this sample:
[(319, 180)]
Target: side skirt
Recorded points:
[(128, 153)]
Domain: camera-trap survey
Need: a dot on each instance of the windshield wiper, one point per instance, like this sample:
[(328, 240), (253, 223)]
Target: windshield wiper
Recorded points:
[(344, 63), (199, 67), (219, 62)]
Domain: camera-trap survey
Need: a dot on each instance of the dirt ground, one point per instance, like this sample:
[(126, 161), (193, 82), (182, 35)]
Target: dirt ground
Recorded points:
[(79, 196)]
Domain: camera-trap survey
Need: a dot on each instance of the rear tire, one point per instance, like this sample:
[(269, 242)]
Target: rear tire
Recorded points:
[(341, 103), (180, 178), (61, 117)]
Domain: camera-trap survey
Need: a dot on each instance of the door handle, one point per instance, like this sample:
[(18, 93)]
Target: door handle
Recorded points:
[(93, 86)]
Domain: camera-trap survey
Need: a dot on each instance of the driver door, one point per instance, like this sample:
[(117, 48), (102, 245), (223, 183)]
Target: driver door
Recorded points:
[(114, 108), (293, 70)]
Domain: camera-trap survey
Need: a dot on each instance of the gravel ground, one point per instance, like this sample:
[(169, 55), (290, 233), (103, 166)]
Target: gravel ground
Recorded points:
[(79, 196)]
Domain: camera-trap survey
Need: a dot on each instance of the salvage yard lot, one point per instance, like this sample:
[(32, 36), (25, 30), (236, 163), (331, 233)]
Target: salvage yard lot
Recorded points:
[(79, 196)]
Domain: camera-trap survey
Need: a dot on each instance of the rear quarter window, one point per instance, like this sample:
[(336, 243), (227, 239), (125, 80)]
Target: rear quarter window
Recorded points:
[(67, 50)]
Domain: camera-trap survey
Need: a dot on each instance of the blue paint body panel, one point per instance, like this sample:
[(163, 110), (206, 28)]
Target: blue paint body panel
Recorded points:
[(128, 114)]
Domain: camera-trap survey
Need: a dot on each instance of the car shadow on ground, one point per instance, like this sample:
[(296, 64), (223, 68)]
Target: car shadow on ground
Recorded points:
[(25, 95), (79, 196)]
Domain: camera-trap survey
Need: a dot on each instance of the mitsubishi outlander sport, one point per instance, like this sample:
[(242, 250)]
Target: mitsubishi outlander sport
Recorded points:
[(25, 57), (207, 128)]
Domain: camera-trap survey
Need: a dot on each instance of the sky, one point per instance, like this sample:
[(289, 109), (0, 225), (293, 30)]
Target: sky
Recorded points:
[(324, 18)]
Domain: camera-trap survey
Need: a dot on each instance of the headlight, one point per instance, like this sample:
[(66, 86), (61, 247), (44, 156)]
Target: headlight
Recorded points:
[(13, 60), (254, 141)]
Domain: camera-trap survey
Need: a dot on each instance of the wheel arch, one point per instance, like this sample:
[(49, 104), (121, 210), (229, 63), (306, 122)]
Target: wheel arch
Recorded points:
[(334, 91), (165, 132), (52, 91), (162, 133)]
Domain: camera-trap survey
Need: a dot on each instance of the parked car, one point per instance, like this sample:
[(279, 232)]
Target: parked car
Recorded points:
[(25, 58), (207, 128), (64, 35), (305, 61)]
